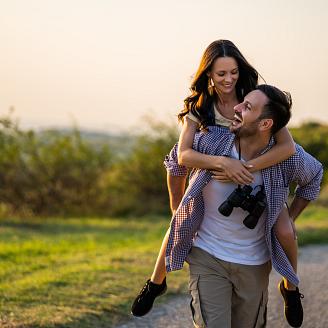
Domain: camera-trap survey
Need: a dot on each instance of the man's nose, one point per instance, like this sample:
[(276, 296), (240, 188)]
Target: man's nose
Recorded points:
[(238, 108)]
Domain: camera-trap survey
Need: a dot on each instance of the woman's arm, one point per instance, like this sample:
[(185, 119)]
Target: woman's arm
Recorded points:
[(234, 169), (283, 149)]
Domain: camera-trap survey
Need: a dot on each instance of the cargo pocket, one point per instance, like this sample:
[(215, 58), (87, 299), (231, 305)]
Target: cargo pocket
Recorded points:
[(262, 313), (195, 307)]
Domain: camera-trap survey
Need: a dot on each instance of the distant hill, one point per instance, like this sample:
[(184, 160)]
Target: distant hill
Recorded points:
[(120, 145)]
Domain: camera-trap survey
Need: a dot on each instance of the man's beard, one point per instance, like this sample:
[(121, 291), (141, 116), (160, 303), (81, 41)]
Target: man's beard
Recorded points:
[(245, 131)]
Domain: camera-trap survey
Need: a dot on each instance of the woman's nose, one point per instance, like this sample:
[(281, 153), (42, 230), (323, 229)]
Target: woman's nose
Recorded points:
[(228, 78)]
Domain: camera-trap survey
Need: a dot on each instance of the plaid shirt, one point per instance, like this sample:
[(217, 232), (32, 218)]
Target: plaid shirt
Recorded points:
[(301, 168)]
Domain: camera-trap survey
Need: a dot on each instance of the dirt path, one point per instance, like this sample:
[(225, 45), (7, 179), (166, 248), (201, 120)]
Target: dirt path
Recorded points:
[(313, 272)]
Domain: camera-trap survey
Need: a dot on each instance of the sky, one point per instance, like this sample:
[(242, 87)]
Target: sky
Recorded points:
[(104, 64)]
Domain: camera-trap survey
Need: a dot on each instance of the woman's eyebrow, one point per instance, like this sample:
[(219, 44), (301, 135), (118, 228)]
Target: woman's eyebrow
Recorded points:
[(223, 71)]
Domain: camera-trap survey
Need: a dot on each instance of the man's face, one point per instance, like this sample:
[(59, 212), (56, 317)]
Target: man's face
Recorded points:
[(246, 120)]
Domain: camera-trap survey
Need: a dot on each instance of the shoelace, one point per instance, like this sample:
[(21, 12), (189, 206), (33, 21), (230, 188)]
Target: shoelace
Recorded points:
[(144, 289), (295, 301), (300, 295)]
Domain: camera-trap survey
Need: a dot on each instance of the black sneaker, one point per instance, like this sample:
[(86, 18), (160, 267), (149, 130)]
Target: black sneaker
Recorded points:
[(293, 305), (145, 300)]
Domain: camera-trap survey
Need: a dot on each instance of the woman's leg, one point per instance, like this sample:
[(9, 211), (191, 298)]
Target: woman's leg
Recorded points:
[(286, 234), (159, 272), (153, 287)]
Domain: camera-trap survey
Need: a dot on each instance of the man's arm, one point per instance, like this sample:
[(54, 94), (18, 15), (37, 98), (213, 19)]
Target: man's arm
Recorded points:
[(176, 178), (297, 206), (176, 188), (308, 175)]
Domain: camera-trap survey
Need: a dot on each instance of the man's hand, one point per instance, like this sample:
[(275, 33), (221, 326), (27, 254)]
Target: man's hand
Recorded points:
[(233, 170), (221, 176)]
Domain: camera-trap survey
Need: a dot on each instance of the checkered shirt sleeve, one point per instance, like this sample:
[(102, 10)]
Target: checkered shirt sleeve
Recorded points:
[(171, 163), (308, 175)]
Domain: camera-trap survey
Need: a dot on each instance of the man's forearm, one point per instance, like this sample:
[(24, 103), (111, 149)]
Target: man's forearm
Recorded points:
[(176, 187), (297, 206)]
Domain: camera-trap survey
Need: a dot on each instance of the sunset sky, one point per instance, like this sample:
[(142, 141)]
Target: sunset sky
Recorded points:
[(103, 64)]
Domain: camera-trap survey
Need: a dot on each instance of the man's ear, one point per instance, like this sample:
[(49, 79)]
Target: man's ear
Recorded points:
[(266, 124)]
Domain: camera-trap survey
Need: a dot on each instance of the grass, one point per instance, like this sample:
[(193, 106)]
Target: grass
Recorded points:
[(76, 272), (312, 226), (85, 272)]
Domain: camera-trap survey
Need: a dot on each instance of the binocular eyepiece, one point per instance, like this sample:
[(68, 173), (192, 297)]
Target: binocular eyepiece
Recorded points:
[(253, 204)]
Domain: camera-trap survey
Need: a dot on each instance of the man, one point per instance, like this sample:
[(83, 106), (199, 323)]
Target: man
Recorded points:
[(229, 262)]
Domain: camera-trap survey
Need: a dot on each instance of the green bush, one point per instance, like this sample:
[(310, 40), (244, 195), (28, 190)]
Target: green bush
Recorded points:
[(313, 137), (52, 174), (137, 184)]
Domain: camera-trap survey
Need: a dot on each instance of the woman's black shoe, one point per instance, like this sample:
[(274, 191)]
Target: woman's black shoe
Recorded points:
[(145, 300), (293, 305)]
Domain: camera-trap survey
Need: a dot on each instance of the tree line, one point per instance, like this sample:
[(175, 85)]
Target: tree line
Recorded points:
[(55, 173), (60, 174)]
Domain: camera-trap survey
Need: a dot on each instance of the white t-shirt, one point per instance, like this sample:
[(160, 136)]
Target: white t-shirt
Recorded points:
[(219, 119), (227, 238)]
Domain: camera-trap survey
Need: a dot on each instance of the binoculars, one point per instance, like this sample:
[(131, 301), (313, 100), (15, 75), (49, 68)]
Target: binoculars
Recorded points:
[(253, 204)]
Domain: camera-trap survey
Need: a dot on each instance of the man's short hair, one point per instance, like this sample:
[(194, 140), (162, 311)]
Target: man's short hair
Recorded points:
[(278, 106)]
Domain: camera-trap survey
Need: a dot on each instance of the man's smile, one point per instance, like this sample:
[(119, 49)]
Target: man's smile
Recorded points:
[(238, 119)]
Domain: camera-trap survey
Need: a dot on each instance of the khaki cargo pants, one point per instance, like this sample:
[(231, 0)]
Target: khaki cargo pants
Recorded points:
[(227, 295)]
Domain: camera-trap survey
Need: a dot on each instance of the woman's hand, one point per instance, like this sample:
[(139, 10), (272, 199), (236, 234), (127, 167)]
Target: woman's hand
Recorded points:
[(233, 170)]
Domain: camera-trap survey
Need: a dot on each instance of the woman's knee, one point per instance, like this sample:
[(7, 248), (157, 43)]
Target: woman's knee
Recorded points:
[(284, 227)]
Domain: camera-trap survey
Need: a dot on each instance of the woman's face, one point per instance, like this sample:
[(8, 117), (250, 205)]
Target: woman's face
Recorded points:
[(224, 73)]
